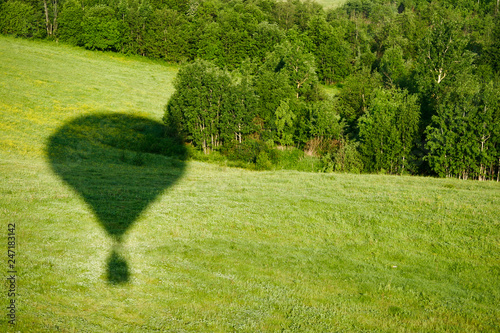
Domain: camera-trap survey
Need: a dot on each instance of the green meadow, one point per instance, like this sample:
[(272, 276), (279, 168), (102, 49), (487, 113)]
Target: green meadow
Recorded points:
[(113, 237), (328, 4)]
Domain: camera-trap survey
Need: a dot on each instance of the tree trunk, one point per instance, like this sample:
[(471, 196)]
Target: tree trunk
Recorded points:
[(48, 25), (54, 22), (498, 171), (403, 165)]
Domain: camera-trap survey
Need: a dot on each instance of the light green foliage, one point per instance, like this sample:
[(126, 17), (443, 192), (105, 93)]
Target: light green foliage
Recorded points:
[(284, 123), (393, 66), (262, 162), (493, 44), (443, 51), (17, 18), (265, 37), (442, 54), (324, 120), (234, 37), (227, 249), (297, 64), (283, 83), (210, 106), (271, 87), (346, 158)]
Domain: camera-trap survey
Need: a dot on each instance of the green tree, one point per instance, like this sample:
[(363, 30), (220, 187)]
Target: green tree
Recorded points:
[(195, 107), (51, 11), (393, 66), (265, 36), (332, 51), (346, 157), (284, 123), (488, 131), (355, 97), (134, 14), (324, 120), (238, 111), (462, 139), (235, 37), (271, 87), (284, 13), (17, 18), (167, 35), (101, 29), (388, 131), (70, 22), (360, 38), (209, 45), (442, 55), (297, 64), (493, 49)]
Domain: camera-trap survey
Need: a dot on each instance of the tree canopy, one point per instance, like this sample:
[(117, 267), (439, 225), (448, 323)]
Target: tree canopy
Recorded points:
[(417, 82)]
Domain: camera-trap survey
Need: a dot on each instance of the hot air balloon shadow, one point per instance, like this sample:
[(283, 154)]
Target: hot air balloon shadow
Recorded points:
[(118, 164)]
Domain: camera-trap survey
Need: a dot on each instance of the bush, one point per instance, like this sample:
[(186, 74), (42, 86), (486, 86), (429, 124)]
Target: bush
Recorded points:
[(70, 23), (289, 158), (249, 150), (17, 18), (342, 157), (263, 162), (347, 158), (101, 29)]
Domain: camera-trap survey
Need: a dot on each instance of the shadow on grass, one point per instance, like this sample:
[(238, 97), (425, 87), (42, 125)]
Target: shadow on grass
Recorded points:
[(118, 164)]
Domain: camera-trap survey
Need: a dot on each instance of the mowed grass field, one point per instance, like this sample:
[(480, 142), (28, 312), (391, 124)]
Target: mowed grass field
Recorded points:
[(220, 249)]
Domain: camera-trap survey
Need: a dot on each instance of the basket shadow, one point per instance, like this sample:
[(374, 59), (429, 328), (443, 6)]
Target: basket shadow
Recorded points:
[(118, 164)]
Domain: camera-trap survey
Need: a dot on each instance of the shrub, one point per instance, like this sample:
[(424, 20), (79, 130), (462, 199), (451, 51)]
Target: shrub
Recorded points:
[(289, 158), (263, 162), (101, 29), (249, 150), (17, 18), (70, 23)]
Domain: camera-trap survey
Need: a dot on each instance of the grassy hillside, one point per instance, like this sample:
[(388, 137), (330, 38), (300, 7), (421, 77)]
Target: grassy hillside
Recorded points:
[(331, 3), (208, 248)]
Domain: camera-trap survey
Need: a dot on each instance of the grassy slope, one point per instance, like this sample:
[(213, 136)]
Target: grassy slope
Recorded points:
[(228, 249), (331, 3)]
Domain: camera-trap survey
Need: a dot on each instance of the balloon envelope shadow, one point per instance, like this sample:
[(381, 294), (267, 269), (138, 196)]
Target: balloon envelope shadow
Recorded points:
[(118, 164)]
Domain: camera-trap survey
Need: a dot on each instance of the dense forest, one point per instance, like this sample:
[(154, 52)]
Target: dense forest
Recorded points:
[(416, 83)]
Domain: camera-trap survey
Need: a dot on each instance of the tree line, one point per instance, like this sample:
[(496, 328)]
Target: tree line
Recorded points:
[(416, 83)]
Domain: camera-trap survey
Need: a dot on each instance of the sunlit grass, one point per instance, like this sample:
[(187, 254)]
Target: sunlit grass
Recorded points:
[(44, 85), (227, 249), (331, 3)]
